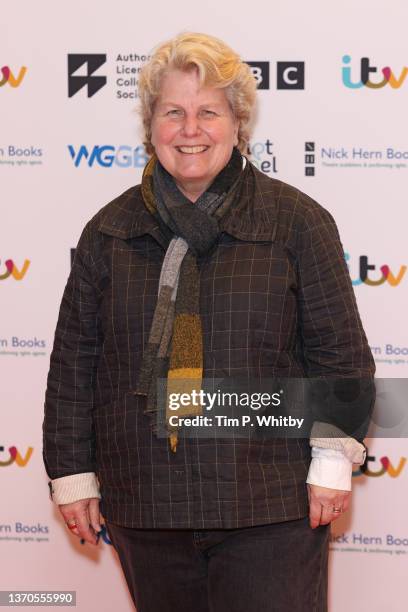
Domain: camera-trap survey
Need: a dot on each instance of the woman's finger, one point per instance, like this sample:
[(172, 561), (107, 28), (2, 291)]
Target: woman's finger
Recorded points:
[(315, 512), (77, 520), (85, 530), (94, 515), (327, 515), (333, 510), (346, 502)]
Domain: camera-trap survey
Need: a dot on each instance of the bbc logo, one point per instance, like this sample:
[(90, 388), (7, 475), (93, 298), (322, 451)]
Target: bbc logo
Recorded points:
[(289, 75), (260, 70)]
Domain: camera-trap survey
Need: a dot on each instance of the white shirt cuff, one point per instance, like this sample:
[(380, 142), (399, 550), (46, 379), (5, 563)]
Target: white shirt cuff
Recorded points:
[(330, 468), (69, 489)]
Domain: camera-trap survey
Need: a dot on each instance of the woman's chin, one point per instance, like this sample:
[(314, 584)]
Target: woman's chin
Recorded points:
[(192, 177)]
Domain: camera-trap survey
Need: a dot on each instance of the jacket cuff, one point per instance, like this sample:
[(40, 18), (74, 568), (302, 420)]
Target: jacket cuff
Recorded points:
[(330, 468), (69, 489), (325, 435)]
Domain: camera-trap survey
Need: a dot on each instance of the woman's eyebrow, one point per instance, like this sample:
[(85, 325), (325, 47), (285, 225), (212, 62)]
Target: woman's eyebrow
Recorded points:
[(180, 105), (168, 103)]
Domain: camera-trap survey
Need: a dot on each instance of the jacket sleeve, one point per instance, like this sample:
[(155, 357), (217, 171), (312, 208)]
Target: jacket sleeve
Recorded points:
[(69, 489), (337, 356), (68, 436)]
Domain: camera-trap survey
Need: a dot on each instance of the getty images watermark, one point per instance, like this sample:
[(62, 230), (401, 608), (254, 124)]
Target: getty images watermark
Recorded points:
[(210, 401), (284, 407)]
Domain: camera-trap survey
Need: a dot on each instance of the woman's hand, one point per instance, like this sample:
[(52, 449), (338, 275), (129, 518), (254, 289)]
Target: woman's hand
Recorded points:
[(82, 518), (322, 501)]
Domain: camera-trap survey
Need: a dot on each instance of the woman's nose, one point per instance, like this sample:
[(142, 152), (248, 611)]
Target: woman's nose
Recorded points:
[(191, 126)]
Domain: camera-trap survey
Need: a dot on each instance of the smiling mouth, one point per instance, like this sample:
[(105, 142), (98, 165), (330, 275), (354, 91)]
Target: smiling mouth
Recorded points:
[(192, 150)]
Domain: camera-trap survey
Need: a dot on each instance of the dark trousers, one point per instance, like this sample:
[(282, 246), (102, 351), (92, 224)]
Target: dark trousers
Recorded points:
[(280, 567)]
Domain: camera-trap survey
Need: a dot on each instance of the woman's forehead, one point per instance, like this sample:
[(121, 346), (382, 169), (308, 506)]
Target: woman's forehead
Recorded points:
[(178, 86)]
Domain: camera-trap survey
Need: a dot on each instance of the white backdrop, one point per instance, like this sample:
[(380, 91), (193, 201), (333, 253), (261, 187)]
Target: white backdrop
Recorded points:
[(357, 137)]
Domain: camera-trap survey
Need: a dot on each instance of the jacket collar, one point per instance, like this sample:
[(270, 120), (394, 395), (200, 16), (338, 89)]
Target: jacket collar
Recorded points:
[(252, 218)]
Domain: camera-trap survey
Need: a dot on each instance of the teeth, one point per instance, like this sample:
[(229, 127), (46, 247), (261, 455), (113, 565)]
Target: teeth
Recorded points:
[(192, 149)]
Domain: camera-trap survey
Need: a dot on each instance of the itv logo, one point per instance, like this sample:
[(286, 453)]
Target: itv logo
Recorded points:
[(367, 70), (14, 456), (386, 274), (10, 78), (12, 270), (386, 467)]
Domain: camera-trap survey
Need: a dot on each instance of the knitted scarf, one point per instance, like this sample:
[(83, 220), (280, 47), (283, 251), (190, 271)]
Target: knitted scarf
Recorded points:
[(173, 358)]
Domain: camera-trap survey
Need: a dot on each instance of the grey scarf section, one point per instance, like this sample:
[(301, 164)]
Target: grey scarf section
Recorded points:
[(194, 229)]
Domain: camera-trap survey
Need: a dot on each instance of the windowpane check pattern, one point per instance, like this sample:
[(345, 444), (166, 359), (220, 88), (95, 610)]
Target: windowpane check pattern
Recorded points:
[(276, 300)]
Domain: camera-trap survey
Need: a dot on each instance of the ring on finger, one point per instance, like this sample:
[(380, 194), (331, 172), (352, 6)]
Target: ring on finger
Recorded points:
[(71, 525)]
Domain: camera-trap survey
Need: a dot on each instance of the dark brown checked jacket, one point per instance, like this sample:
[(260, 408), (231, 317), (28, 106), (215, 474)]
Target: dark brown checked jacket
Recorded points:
[(276, 301)]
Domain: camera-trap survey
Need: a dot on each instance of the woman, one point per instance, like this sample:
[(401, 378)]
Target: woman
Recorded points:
[(207, 270)]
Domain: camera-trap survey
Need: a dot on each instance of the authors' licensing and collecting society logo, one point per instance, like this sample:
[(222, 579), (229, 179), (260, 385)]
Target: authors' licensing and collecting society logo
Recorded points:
[(89, 63), (83, 74)]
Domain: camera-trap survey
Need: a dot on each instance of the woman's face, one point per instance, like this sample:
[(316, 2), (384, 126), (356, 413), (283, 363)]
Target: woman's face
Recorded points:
[(193, 131)]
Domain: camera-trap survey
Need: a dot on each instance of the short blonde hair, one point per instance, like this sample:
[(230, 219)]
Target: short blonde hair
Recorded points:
[(217, 65)]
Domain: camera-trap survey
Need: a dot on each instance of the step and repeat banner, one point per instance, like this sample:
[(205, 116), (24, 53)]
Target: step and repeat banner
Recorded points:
[(332, 92)]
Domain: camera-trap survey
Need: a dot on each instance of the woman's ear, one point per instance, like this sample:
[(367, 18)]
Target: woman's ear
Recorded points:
[(236, 130)]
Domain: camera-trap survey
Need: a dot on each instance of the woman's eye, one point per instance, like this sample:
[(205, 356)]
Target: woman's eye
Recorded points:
[(208, 113), (174, 112)]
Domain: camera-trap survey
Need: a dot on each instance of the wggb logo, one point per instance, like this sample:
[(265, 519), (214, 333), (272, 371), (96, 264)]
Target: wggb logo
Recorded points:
[(107, 155)]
